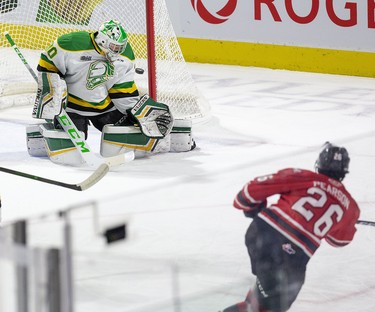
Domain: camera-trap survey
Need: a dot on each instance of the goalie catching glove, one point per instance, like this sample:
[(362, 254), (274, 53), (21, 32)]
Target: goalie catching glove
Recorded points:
[(154, 119)]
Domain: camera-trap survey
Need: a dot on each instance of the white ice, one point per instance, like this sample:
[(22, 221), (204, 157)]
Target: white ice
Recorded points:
[(185, 247)]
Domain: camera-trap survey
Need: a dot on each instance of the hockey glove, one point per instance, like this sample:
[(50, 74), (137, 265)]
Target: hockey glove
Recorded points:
[(255, 209), (154, 118)]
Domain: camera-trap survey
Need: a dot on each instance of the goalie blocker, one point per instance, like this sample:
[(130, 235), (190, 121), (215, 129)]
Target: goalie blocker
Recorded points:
[(157, 132), (51, 96)]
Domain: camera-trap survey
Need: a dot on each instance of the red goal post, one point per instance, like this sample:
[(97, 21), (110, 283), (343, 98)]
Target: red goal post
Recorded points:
[(35, 24)]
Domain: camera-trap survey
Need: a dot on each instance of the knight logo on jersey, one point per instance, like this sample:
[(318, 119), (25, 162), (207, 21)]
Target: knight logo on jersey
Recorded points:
[(99, 73), (218, 17)]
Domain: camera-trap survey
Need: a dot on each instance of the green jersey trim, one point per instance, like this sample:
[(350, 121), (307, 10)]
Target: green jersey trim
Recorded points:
[(76, 41)]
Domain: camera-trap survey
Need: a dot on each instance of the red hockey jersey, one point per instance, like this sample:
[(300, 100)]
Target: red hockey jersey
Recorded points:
[(311, 207)]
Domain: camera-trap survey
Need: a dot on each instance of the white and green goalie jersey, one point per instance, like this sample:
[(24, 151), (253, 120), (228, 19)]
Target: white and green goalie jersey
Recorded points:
[(95, 85)]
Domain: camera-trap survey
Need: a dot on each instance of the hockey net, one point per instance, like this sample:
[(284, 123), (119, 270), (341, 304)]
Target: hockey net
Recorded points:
[(35, 24)]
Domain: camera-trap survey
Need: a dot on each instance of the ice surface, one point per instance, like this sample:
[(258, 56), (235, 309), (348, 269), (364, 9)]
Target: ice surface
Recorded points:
[(185, 248)]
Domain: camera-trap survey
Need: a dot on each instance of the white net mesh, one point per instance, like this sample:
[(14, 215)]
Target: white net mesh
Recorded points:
[(34, 25)]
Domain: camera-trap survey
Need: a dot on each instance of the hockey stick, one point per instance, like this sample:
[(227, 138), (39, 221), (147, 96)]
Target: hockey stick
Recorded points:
[(69, 127), (364, 222), (84, 185), (20, 55)]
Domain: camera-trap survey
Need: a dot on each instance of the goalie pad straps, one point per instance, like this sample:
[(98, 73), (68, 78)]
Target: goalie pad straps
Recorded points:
[(51, 96), (155, 119)]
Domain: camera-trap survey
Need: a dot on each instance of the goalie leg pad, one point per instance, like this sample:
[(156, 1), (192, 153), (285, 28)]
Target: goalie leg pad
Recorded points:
[(51, 96), (36, 145), (120, 139), (181, 136), (60, 148)]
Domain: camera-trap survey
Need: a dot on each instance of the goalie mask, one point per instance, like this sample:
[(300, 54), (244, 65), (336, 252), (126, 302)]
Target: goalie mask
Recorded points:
[(112, 39), (333, 161)]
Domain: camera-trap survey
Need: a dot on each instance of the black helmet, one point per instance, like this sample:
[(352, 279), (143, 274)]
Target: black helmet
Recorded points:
[(333, 161)]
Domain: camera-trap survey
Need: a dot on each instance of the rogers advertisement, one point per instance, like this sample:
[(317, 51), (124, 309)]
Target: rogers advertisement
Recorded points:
[(332, 24)]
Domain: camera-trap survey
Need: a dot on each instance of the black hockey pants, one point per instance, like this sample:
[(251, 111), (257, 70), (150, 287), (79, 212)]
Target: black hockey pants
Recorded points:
[(278, 264)]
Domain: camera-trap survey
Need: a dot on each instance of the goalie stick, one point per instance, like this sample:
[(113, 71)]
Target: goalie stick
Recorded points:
[(69, 127), (99, 173), (20, 55)]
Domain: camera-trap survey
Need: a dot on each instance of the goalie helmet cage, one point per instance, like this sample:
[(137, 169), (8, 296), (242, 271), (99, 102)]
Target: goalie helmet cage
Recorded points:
[(35, 24)]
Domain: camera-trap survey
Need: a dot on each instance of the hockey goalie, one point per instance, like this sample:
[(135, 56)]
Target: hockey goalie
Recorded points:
[(90, 76)]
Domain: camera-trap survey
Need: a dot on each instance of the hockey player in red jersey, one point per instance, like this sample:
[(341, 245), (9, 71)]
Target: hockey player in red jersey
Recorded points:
[(283, 236)]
